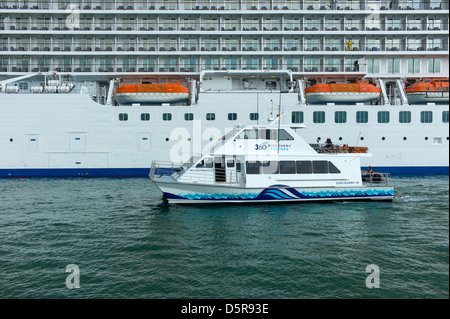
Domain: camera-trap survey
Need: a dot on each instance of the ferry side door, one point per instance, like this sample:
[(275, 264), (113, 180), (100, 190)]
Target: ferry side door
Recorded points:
[(219, 170)]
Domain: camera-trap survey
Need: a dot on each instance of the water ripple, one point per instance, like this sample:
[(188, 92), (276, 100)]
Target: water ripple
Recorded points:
[(129, 243)]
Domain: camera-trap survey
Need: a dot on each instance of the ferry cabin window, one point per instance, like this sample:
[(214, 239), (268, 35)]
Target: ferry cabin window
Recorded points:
[(290, 167), (285, 136), (332, 169), (206, 163), (270, 167), (210, 116), (265, 134), (297, 117), (123, 117), (383, 117), (230, 163), (445, 117), (319, 117), (404, 117), (340, 117), (253, 167), (426, 117), (287, 167), (188, 116), (232, 116), (167, 116), (254, 116), (304, 167), (145, 117), (320, 167), (362, 117)]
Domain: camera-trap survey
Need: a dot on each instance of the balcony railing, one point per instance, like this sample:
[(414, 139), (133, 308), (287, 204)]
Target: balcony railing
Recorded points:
[(214, 5), (177, 67), (112, 49)]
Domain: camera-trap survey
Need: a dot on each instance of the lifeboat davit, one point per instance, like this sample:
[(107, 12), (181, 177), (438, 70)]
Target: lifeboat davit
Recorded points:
[(359, 92), (172, 92), (428, 91)]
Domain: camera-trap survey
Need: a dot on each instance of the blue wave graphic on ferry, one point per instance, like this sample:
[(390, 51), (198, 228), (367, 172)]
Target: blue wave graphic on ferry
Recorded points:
[(283, 192)]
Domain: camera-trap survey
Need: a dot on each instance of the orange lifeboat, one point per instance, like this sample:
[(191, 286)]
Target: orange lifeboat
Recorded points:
[(428, 91), (172, 92), (359, 92)]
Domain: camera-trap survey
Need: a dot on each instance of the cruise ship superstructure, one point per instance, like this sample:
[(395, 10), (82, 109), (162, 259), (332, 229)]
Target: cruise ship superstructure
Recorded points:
[(76, 79)]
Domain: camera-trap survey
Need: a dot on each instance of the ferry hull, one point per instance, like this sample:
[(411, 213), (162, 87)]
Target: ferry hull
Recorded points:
[(202, 194)]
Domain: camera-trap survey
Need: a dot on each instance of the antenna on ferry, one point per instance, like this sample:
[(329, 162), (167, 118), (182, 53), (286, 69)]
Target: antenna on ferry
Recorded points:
[(279, 123)]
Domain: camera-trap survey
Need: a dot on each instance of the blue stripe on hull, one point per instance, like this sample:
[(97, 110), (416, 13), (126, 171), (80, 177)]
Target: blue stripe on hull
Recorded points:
[(411, 170), (74, 172), (143, 172)]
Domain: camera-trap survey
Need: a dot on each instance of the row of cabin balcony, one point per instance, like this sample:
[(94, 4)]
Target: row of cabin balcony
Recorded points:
[(204, 5), (33, 66), (429, 23), (387, 65), (229, 46)]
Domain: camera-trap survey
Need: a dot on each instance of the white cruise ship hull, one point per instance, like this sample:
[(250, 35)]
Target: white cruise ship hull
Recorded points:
[(71, 135)]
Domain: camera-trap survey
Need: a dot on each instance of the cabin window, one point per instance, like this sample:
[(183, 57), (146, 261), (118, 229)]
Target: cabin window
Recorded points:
[(268, 134), (297, 117), (362, 117), (188, 116), (123, 116), (238, 166), (285, 136), (320, 167), (319, 117), (232, 116), (404, 117), (287, 167), (253, 167), (254, 116), (167, 116), (248, 134), (206, 163), (340, 117), (230, 163), (304, 167), (445, 117), (426, 117), (333, 169), (434, 65), (383, 117), (145, 117), (270, 167), (210, 116)]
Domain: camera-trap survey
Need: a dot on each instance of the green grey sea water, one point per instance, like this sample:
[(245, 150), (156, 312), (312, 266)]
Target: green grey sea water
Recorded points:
[(129, 243)]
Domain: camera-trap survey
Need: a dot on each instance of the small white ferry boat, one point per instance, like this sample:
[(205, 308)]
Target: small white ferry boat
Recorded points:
[(256, 164)]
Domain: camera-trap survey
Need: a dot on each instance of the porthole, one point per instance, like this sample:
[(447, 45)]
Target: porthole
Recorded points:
[(11, 140), (340, 138), (167, 139), (426, 138), (405, 138), (383, 138), (362, 138)]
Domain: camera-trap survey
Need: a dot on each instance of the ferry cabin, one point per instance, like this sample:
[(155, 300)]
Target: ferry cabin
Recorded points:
[(262, 157)]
